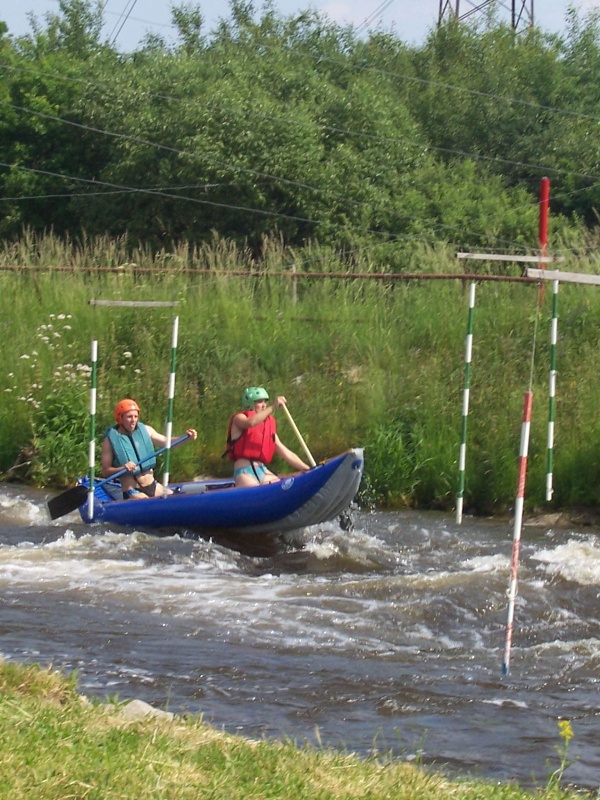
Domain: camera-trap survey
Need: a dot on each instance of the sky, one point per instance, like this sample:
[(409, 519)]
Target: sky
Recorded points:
[(128, 21)]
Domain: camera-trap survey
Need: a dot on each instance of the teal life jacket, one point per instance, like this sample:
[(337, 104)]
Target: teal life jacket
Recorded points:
[(132, 447)]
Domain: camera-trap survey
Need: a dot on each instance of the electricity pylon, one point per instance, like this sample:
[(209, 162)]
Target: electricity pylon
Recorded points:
[(521, 11)]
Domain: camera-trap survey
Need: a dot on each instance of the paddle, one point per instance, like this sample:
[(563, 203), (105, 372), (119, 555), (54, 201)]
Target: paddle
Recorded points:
[(311, 460), (75, 496)]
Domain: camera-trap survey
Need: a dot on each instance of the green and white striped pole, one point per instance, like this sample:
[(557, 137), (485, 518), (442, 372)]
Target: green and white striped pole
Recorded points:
[(169, 431), (465, 412), (552, 392), (92, 443)]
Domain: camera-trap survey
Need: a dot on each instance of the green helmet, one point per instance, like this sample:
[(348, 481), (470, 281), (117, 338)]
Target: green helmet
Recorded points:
[(252, 394)]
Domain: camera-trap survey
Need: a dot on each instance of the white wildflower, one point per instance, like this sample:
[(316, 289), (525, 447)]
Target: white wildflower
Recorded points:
[(127, 354), (24, 356)]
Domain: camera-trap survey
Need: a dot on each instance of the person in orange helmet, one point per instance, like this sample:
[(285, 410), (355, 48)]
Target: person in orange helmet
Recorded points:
[(128, 442)]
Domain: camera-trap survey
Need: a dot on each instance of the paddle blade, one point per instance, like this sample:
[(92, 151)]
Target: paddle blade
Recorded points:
[(67, 501)]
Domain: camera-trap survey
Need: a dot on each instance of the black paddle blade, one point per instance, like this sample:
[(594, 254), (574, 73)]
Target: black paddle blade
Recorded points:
[(67, 501)]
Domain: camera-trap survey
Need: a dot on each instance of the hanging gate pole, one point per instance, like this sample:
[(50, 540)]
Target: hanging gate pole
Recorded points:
[(169, 431), (92, 444), (465, 412), (552, 393)]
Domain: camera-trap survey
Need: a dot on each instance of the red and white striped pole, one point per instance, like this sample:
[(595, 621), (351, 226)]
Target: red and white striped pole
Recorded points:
[(519, 503)]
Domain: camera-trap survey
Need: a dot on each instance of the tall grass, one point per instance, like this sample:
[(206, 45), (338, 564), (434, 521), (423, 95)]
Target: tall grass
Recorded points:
[(370, 363)]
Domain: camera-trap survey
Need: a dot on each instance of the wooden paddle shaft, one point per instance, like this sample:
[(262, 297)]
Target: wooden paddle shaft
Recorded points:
[(311, 460)]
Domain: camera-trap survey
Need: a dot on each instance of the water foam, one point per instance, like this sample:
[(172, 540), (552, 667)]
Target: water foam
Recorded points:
[(577, 560)]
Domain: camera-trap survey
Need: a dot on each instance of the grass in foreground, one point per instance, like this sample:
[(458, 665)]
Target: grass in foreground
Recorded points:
[(55, 744)]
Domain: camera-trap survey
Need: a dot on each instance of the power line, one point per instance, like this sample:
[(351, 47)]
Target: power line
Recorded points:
[(125, 16), (378, 11), (263, 212)]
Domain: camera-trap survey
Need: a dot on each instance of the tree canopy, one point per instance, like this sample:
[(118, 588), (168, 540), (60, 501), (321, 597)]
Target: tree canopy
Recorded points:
[(297, 127)]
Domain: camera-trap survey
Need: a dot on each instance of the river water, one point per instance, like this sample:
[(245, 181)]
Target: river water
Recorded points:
[(386, 638)]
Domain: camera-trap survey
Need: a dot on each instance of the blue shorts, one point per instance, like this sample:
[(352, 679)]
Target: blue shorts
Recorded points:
[(257, 470)]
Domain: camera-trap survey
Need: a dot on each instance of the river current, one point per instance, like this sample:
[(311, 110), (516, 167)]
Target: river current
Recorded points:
[(386, 638)]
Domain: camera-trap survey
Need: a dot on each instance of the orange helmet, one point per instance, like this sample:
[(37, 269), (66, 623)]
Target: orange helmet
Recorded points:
[(123, 406)]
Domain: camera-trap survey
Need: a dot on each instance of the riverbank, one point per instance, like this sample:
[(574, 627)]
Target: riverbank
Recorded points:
[(57, 744)]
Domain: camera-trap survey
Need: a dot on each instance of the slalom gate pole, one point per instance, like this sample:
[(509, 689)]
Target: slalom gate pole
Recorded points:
[(543, 227), (552, 393), (465, 410), (543, 245), (169, 431), (519, 502), (92, 443)]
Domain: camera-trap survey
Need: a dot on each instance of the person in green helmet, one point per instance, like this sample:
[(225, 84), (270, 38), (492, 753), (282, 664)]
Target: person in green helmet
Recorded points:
[(252, 440)]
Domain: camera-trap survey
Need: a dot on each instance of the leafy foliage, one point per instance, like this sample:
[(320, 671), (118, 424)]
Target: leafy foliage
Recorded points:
[(294, 126)]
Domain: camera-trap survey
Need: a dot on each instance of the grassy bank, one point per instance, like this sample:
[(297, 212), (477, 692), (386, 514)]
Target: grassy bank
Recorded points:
[(56, 745), (373, 363)]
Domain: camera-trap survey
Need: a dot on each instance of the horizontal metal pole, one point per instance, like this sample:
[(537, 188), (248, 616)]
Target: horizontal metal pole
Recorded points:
[(351, 276)]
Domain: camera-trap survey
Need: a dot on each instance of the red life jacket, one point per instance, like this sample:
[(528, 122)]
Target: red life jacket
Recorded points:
[(256, 443)]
